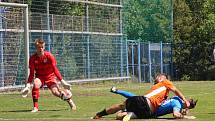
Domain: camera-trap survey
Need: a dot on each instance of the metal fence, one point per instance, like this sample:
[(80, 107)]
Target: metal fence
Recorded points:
[(87, 47), (86, 37), (148, 59)]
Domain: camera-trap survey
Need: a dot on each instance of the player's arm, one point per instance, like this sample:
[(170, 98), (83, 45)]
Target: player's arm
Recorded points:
[(189, 117), (178, 93), (31, 75), (27, 88), (57, 73), (177, 114), (54, 66), (169, 85)]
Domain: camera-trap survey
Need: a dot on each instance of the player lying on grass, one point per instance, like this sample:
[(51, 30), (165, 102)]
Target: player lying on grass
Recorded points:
[(173, 105), (44, 71), (145, 106)]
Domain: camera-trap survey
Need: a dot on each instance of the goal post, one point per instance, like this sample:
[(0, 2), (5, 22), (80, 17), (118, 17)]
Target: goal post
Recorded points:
[(13, 27)]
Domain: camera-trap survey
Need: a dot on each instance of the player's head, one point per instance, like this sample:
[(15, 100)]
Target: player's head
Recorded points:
[(192, 103), (160, 77), (40, 46)]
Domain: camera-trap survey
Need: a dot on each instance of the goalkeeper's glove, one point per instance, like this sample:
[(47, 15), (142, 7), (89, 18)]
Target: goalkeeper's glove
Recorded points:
[(65, 84), (26, 90)]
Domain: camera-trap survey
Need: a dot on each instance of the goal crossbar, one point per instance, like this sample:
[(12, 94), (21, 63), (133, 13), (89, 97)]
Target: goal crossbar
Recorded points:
[(13, 4), (94, 3)]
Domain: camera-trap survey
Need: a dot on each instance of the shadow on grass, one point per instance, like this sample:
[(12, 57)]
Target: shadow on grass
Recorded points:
[(38, 111), (17, 111), (166, 118), (211, 113)]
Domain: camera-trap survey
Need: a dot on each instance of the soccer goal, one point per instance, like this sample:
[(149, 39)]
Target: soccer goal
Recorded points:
[(14, 47)]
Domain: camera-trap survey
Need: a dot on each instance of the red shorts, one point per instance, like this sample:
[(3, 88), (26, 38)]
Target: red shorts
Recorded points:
[(49, 82)]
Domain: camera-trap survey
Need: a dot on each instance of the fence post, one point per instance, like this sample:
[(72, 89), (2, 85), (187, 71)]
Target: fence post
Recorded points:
[(1, 52), (150, 62), (139, 63), (132, 58), (48, 25), (127, 68), (161, 56)]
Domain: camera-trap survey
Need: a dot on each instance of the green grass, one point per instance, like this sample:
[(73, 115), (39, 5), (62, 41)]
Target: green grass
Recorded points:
[(91, 98)]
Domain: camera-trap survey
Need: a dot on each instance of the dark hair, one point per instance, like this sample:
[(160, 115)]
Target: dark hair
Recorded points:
[(192, 103), (163, 74)]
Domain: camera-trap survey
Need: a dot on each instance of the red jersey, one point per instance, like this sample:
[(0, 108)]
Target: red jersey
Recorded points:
[(159, 93), (43, 67)]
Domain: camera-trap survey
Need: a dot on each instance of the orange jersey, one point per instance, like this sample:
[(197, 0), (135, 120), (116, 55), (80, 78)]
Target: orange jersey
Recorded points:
[(159, 93)]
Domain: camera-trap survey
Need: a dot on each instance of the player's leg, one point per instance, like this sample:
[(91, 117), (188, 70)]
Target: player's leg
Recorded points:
[(128, 116), (123, 93), (54, 87), (111, 110), (121, 114), (36, 93), (71, 104)]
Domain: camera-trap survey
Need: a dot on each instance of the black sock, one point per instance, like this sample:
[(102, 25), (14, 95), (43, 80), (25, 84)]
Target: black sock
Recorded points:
[(102, 113)]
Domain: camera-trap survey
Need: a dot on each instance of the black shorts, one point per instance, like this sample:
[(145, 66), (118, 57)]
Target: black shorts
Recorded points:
[(139, 105)]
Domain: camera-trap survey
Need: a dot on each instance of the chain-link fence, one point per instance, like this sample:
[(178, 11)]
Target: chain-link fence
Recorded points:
[(148, 59), (13, 32), (85, 37)]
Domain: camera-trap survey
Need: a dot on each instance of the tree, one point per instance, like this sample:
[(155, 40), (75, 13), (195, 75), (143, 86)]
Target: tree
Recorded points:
[(148, 20), (182, 34), (194, 27)]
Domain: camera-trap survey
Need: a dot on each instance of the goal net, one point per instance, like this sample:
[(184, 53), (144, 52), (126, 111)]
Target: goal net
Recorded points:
[(13, 44)]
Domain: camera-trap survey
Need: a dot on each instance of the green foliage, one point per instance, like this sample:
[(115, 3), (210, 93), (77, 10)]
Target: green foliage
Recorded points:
[(185, 77), (148, 20), (56, 7), (194, 28), (66, 8), (182, 21)]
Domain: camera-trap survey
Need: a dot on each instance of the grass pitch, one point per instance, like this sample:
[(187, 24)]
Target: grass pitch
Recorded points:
[(93, 97)]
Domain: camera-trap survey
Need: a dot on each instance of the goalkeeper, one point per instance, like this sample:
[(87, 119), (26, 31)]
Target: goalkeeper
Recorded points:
[(43, 71)]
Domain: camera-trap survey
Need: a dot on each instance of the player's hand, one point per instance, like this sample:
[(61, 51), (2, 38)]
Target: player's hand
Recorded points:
[(187, 103), (185, 111), (189, 117), (65, 84), (26, 90)]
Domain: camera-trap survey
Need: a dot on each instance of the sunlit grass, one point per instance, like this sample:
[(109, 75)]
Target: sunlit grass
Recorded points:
[(93, 97)]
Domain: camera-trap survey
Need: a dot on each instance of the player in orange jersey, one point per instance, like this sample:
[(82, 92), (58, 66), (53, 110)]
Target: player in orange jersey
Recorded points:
[(145, 106), (43, 71), (172, 105)]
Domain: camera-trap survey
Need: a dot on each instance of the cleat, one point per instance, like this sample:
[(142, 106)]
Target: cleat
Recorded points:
[(127, 118), (97, 117), (34, 110), (113, 89)]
